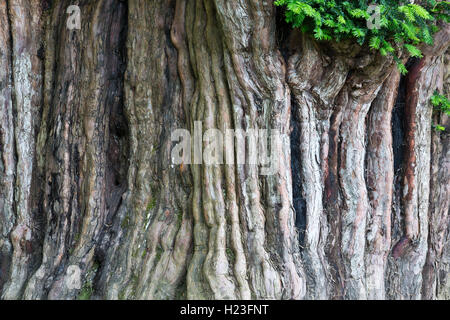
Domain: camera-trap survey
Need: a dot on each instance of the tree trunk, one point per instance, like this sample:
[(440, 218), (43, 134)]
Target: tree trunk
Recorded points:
[(92, 205)]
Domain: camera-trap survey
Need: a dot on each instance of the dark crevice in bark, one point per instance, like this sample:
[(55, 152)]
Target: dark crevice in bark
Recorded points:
[(398, 145), (414, 67), (117, 154), (5, 256), (13, 95), (46, 5), (38, 179), (403, 134), (4, 268), (298, 199), (398, 122), (283, 32), (398, 127), (97, 269), (333, 207), (38, 220), (367, 178)]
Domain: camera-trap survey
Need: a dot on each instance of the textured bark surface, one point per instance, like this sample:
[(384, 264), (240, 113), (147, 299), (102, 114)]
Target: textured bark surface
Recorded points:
[(357, 210)]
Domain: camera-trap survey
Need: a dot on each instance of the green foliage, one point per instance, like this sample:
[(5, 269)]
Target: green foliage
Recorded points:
[(159, 252), (179, 219), (151, 204), (438, 127), (125, 222), (442, 104), (230, 255), (86, 291), (399, 25)]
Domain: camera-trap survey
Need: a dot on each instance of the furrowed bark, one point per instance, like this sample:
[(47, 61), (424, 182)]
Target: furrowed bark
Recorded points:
[(410, 251), (153, 241), (333, 106), (7, 163), (22, 45), (354, 197), (313, 114), (380, 183), (79, 146), (443, 265), (233, 62), (92, 206), (435, 272)]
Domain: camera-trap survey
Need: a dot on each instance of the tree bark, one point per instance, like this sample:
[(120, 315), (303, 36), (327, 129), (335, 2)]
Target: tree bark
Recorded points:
[(357, 210)]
